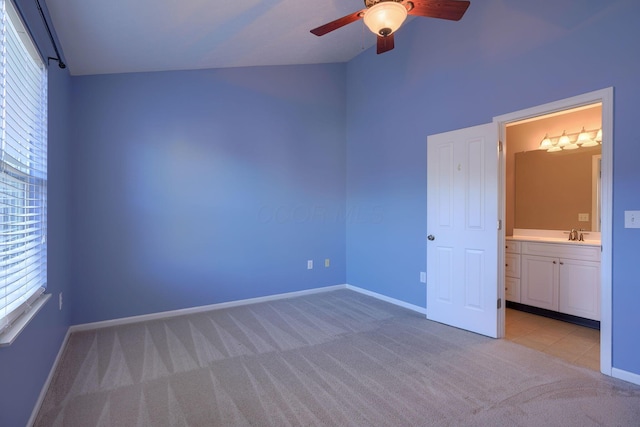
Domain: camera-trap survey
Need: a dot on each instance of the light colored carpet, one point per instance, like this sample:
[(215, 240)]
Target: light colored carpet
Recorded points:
[(337, 358)]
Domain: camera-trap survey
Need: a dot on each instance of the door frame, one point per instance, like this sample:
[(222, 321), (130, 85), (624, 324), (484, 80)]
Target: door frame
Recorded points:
[(605, 96)]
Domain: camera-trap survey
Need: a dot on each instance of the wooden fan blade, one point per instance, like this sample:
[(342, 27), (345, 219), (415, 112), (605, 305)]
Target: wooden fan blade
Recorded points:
[(385, 44), (441, 9), (338, 23)]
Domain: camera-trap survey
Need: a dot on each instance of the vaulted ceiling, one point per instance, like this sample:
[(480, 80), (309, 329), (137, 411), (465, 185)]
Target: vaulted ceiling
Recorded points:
[(117, 36)]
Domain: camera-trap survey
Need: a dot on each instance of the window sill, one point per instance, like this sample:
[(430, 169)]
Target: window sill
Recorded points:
[(8, 336)]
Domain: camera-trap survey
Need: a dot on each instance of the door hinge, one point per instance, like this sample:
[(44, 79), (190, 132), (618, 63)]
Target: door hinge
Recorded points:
[(500, 146), (499, 224), (499, 303)]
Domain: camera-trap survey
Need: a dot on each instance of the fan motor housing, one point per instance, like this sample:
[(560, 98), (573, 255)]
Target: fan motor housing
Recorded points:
[(369, 3)]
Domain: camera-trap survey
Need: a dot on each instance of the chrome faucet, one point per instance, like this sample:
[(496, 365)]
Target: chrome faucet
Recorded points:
[(581, 239), (573, 235)]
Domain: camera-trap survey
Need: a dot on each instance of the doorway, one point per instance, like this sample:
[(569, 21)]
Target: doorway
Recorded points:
[(605, 99)]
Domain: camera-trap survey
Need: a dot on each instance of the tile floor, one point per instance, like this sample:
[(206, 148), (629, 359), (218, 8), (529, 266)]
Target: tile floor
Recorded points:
[(576, 344)]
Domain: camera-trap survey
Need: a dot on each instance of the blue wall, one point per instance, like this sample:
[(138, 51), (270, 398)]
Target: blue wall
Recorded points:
[(25, 364), (501, 57), (199, 187), (180, 189)]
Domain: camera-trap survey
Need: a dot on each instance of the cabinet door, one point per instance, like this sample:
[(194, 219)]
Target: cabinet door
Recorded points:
[(539, 282), (580, 288), (512, 289)]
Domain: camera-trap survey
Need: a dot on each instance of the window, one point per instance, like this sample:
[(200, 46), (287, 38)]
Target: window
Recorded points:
[(23, 174)]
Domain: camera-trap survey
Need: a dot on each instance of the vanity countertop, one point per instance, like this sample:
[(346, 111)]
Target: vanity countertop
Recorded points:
[(591, 238), (545, 239)]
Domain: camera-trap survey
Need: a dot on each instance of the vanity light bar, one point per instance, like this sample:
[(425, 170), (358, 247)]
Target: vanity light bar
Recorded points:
[(564, 141)]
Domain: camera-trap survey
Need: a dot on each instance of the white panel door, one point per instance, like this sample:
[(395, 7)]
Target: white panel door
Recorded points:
[(462, 218)]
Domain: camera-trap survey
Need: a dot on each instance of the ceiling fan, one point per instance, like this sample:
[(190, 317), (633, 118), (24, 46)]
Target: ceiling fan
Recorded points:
[(384, 17)]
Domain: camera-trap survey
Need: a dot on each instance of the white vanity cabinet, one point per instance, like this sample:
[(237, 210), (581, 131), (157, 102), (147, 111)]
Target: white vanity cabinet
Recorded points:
[(562, 277), (512, 271)]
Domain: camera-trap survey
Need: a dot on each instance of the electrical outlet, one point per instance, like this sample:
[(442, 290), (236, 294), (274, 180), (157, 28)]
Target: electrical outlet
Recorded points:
[(583, 217), (310, 264), (423, 277), (60, 301), (327, 262), (631, 219)]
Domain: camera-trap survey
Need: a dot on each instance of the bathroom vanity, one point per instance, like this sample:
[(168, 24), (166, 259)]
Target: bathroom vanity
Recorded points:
[(553, 273)]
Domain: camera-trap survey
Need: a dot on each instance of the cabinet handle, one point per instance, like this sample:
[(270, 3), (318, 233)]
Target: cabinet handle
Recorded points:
[(506, 265), (561, 263), (554, 262)]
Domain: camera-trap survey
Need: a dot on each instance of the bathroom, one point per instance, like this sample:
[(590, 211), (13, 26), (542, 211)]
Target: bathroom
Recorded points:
[(552, 257)]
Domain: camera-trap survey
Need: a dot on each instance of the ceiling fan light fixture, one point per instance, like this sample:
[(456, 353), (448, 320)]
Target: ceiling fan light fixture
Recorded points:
[(385, 18)]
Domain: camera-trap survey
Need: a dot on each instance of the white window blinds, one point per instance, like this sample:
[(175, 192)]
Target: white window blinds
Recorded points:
[(23, 169)]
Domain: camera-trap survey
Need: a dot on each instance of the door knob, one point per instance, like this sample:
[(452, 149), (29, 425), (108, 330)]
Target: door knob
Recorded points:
[(431, 237)]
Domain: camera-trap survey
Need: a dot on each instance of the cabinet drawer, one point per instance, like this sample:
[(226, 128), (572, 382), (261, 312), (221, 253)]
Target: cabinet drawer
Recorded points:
[(512, 247), (562, 250), (512, 265), (512, 289)]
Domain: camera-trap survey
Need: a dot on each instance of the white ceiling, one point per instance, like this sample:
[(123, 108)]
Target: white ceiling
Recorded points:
[(117, 36)]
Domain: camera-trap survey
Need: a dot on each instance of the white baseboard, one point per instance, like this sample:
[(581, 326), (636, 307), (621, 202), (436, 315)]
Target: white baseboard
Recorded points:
[(199, 309), (625, 375), (45, 386), (237, 303), (390, 300)]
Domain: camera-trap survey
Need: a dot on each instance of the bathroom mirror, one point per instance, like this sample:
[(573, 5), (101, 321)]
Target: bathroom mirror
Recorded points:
[(558, 190), (553, 190)]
